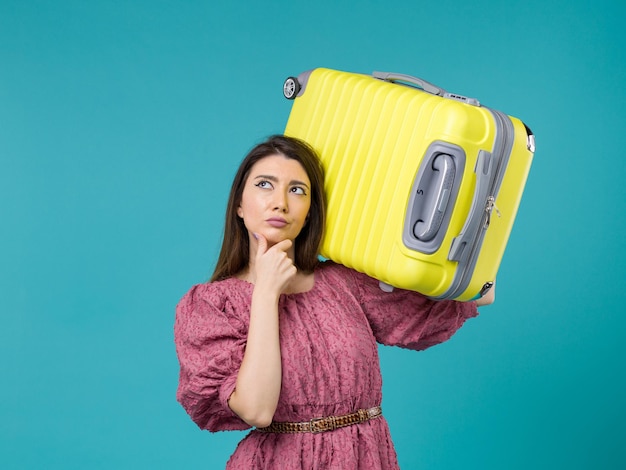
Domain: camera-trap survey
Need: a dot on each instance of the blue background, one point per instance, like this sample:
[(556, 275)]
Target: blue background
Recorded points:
[(121, 126)]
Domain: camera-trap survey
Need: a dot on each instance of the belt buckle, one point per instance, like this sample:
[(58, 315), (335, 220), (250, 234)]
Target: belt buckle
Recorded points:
[(317, 425)]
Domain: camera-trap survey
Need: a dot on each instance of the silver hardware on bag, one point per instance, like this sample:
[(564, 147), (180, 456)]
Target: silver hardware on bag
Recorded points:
[(462, 99), (530, 143), (489, 208), (486, 288)]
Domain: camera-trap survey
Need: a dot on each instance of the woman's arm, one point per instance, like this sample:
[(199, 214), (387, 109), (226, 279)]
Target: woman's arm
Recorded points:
[(210, 337), (259, 379)]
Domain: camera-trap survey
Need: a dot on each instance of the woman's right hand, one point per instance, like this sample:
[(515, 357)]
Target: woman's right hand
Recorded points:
[(257, 389), (273, 268)]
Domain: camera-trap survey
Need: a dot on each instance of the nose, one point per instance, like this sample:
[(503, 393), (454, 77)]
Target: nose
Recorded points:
[(280, 201)]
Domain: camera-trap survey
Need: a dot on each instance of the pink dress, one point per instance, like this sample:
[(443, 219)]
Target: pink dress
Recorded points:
[(330, 363)]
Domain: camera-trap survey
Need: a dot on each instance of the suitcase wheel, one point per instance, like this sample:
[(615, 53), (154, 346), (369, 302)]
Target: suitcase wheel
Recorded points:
[(291, 88)]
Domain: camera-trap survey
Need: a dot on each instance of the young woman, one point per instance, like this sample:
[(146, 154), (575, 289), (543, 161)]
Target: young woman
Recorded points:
[(286, 344)]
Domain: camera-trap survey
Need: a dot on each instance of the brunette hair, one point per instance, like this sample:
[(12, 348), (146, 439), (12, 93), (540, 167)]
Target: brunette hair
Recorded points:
[(235, 252)]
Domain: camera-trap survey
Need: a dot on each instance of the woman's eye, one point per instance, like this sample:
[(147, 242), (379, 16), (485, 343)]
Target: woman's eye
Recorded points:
[(263, 184), (298, 190)]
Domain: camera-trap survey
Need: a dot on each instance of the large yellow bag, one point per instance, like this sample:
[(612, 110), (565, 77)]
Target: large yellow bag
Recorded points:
[(423, 186)]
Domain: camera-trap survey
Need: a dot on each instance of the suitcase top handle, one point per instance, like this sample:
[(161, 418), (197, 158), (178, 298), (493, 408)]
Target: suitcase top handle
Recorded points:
[(295, 86), (424, 85), (399, 77)]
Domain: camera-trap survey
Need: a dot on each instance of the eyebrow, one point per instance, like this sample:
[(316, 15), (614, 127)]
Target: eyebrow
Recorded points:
[(274, 179)]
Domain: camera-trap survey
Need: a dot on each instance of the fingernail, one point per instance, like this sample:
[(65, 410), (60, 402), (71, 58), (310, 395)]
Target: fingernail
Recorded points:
[(256, 237)]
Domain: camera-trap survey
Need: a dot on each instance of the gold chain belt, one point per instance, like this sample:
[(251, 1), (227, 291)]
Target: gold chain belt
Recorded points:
[(324, 424)]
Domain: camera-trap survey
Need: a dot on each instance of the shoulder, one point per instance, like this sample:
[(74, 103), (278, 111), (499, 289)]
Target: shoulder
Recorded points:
[(212, 310), (229, 295), (344, 275), (333, 271), (339, 277)]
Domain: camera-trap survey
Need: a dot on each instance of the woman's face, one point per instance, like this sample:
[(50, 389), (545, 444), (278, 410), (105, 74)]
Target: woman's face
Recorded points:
[(276, 199)]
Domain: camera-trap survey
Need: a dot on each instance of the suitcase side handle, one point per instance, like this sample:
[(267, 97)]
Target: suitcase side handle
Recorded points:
[(481, 204), (432, 197), (400, 77), (442, 172)]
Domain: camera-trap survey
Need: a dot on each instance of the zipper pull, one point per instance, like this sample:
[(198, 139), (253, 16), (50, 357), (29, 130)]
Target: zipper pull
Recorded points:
[(489, 207)]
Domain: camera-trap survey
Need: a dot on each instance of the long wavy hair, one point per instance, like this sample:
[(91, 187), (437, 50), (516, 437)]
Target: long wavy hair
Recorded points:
[(235, 253)]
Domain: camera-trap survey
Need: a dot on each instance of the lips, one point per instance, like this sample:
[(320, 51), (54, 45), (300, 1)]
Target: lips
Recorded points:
[(277, 222)]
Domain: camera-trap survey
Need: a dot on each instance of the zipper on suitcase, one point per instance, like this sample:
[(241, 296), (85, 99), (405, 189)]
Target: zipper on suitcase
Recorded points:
[(501, 153), (491, 206)]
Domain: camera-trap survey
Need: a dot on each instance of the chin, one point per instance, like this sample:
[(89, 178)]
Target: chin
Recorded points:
[(273, 238)]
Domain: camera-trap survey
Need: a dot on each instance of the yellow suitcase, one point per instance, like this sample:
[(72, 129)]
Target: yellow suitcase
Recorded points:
[(423, 185)]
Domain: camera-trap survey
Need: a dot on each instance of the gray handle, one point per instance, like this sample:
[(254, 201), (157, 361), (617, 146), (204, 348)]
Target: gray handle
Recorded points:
[(432, 213), (399, 77), (484, 174)]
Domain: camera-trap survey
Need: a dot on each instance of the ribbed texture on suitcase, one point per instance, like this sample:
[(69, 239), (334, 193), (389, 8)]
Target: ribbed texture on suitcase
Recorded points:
[(371, 136)]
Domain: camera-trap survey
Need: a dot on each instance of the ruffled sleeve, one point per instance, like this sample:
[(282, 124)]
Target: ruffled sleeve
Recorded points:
[(210, 339), (409, 319)]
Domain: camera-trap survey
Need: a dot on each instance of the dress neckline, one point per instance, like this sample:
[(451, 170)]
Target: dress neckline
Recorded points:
[(314, 287)]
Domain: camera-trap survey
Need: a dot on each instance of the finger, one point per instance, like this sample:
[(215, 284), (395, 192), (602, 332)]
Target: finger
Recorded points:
[(261, 246), (283, 245)]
